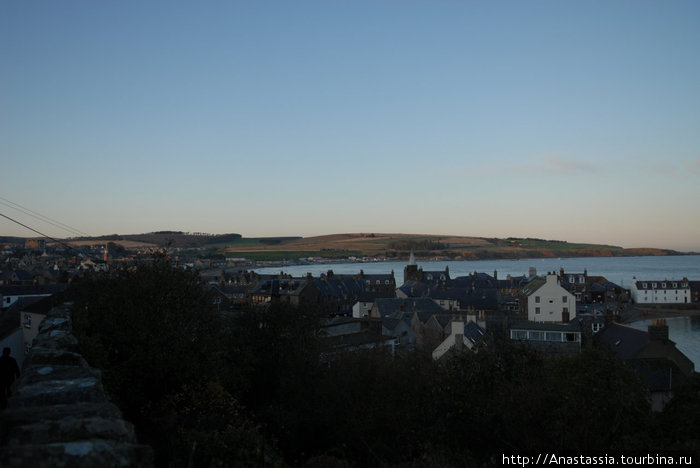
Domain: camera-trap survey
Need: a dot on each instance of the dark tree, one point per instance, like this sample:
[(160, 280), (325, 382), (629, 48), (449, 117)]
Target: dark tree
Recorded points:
[(152, 331)]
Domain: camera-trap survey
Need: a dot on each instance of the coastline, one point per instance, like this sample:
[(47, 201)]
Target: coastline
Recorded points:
[(637, 312)]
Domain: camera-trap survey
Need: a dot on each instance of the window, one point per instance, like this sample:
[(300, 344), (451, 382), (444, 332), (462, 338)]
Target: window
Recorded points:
[(663, 285), (537, 335), (644, 285), (551, 312), (537, 310), (675, 285), (537, 299), (571, 337), (518, 334), (564, 299), (553, 336), (571, 279), (581, 279)]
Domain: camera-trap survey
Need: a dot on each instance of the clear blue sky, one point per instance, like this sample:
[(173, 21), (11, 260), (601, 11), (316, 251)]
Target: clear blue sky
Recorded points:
[(572, 120)]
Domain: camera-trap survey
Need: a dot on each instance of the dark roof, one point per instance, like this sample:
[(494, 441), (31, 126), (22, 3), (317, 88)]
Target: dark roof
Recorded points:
[(291, 287), (371, 296), (339, 286), (532, 286), (474, 332), (624, 340), (233, 289), (391, 323), (23, 275), (415, 288), (396, 307), (480, 299), (443, 319), (32, 290)]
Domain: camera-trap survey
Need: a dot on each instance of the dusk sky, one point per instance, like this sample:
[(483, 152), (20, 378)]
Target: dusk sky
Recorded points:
[(570, 120)]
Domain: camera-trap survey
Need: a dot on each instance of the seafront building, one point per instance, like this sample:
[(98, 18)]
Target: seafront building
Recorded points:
[(661, 292)]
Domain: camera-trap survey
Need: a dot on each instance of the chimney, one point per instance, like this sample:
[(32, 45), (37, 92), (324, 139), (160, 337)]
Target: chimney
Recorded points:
[(495, 274), (533, 272), (658, 331)]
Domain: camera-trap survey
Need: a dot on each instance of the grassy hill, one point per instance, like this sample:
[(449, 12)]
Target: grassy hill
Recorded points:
[(341, 246), (426, 246)]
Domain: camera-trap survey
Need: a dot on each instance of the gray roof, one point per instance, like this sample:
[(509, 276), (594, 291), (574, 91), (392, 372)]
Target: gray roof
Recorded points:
[(532, 286), (624, 340), (394, 307), (474, 332)]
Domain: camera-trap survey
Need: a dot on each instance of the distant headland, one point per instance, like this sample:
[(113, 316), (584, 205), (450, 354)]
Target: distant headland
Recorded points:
[(357, 246)]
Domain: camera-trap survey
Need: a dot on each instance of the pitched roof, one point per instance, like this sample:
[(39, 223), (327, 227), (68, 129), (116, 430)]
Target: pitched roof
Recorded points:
[(395, 307), (624, 340), (474, 332), (532, 286)]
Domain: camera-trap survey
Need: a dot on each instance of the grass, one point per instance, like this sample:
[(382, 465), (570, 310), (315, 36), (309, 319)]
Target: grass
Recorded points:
[(270, 255), (563, 246)]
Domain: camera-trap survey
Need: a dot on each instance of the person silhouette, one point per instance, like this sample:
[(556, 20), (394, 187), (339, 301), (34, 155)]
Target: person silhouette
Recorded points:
[(9, 371)]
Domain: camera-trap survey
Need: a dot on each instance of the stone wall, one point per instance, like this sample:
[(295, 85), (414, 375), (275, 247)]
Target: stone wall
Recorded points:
[(58, 415)]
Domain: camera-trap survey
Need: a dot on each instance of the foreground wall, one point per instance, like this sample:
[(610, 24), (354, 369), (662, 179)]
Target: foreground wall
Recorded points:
[(59, 415)]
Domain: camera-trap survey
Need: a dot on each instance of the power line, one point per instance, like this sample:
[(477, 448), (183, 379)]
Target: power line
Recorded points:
[(41, 217), (40, 233)]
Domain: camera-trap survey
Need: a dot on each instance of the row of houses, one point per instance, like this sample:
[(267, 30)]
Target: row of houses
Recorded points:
[(429, 311)]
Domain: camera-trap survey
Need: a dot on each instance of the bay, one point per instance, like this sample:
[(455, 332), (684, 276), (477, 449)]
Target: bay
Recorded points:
[(619, 270)]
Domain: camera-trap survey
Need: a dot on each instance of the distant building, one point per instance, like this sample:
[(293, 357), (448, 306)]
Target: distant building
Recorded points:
[(412, 272), (294, 291), (593, 289), (661, 292), (35, 244)]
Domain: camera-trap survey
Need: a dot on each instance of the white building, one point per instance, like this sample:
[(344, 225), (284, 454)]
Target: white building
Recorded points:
[(547, 301), (661, 292)]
